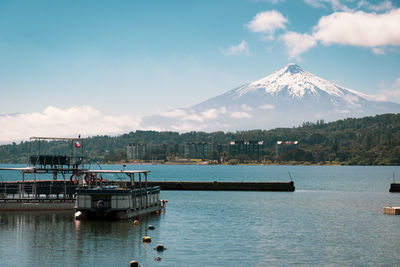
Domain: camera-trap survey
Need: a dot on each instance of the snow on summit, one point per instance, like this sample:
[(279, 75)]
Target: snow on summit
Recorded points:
[(285, 98), (297, 81)]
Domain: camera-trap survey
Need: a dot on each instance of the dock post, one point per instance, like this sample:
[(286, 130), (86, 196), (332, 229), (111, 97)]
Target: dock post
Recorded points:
[(134, 189), (20, 189), (65, 185), (140, 187), (34, 184), (145, 184)]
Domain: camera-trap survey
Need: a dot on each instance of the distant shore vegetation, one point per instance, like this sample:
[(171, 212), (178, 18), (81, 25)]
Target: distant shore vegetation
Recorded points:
[(363, 141)]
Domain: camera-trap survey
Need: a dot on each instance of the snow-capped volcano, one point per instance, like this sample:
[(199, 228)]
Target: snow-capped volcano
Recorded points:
[(285, 98), (298, 83), (292, 85)]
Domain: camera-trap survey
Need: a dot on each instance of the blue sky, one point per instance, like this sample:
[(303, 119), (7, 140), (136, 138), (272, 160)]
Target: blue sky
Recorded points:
[(136, 58)]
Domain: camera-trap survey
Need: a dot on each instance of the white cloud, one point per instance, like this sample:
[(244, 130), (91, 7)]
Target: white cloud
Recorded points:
[(352, 100), (378, 51), (266, 107), (267, 22), (270, 1), (334, 4), (385, 5), (240, 49), (212, 113), (397, 83), (342, 111), (240, 115), (57, 122), (246, 107), (209, 114), (314, 3), (297, 43), (174, 113), (194, 117), (390, 94), (348, 28), (359, 29)]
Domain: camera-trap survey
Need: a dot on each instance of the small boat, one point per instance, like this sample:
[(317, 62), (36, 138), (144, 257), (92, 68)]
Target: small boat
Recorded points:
[(84, 191), (116, 202)]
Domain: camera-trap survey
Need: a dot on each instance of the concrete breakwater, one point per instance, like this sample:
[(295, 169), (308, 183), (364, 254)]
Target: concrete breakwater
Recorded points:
[(225, 186), (68, 188)]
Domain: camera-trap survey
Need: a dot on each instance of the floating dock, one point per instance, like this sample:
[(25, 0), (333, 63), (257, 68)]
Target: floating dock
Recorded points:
[(225, 186), (31, 204), (391, 210)]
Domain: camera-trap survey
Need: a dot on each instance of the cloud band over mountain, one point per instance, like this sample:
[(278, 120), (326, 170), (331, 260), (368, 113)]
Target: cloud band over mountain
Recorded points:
[(285, 98)]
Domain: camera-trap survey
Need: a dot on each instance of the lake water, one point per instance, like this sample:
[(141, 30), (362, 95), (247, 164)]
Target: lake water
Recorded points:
[(334, 218)]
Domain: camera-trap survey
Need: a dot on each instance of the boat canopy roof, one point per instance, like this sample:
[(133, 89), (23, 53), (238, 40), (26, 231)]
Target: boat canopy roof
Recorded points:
[(56, 138), (115, 171), (24, 169), (33, 169)]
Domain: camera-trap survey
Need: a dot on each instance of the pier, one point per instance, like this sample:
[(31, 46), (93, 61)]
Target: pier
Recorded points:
[(225, 186), (47, 188)]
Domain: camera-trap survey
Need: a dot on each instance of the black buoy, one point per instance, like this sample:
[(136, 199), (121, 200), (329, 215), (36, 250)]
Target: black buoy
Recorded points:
[(160, 247), (134, 264), (151, 227)]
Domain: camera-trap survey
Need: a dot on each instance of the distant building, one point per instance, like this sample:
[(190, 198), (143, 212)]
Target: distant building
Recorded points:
[(135, 151), (250, 148), (282, 146), (198, 150)]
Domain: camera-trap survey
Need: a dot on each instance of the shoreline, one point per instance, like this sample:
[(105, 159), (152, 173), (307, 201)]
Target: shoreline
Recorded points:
[(227, 164), (238, 164)]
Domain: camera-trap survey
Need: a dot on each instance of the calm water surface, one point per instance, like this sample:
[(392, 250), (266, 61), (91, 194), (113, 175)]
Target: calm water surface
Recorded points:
[(333, 219)]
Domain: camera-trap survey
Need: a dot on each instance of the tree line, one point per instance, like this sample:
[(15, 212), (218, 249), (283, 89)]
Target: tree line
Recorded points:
[(363, 141)]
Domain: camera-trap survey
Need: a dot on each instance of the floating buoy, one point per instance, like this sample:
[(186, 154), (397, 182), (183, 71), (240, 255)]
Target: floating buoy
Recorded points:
[(134, 264), (151, 227), (146, 239), (135, 222), (157, 211), (160, 248), (157, 258)]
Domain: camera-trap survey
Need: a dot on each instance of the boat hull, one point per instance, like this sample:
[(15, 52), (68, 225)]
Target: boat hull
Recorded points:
[(117, 215), (117, 203)]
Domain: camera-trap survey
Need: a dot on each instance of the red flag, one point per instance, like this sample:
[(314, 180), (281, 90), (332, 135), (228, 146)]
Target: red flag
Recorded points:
[(77, 144)]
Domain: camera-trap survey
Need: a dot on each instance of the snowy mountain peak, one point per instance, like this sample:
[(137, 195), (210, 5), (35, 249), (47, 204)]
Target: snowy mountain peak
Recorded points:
[(292, 68), (292, 81)]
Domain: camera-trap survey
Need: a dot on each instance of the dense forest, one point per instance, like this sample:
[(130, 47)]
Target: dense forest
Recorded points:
[(364, 141)]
